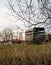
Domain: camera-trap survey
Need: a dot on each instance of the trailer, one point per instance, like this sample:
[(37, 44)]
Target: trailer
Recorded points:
[(35, 35)]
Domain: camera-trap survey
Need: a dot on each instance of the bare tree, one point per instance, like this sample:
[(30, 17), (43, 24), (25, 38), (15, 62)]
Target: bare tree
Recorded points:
[(1, 37), (7, 34), (45, 10), (31, 12), (25, 10)]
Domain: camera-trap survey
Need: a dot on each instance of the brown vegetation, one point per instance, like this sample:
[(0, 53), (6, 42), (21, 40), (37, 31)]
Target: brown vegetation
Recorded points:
[(20, 54)]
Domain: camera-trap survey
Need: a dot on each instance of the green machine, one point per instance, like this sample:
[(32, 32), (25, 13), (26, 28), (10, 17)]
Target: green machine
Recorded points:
[(35, 35), (39, 35)]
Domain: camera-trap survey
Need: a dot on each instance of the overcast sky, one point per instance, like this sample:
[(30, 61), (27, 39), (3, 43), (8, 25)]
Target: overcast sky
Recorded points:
[(5, 20)]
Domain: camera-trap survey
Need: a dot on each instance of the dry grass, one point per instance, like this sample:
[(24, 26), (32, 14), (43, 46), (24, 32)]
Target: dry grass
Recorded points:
[(21, 54)]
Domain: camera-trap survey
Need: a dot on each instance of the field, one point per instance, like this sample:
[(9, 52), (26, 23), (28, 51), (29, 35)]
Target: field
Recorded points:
[(25, 54)]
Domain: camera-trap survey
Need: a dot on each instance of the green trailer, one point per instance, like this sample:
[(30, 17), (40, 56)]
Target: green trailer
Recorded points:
[(35, 35), (39, 35)]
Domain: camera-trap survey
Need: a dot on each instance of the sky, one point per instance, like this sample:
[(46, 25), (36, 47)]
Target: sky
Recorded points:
[(5, 19)]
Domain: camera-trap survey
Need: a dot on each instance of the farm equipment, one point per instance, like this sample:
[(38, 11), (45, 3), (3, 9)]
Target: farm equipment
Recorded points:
[(39, 35), (15, 40), (35, 35)]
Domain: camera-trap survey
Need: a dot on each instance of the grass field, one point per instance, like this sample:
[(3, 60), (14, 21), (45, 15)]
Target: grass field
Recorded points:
[(23, 54)]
